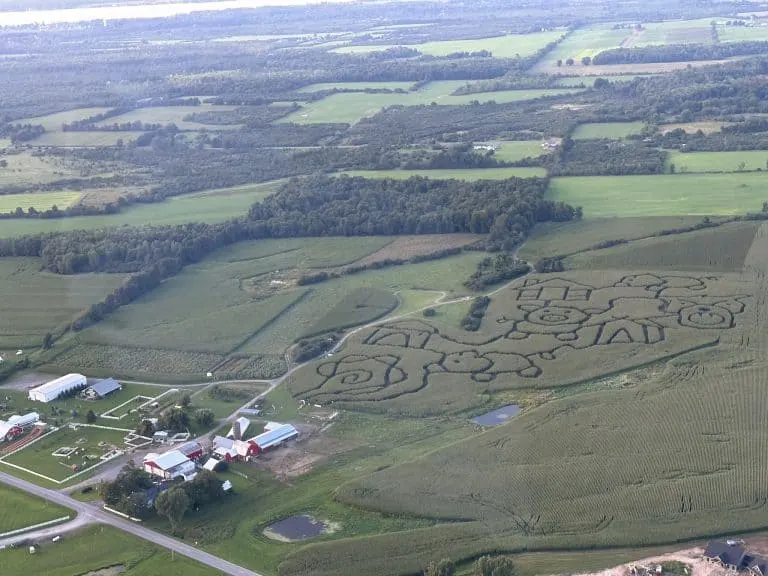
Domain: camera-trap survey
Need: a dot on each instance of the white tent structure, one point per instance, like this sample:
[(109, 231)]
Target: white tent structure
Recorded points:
[(55, 388)]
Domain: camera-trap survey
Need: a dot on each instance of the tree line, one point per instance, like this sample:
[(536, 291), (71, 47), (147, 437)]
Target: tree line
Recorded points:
[(679, 53)]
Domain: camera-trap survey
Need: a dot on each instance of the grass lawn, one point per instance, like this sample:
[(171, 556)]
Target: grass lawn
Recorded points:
[(470, 174), (19, 510), (512, 151), (607, 130), (510, 46), (100, 547), (53, 122), (737, 161), (173, 115), (27, 170), (37, 457), (692, 127), (208, 206), (40, 201), (359, 86), (351, 107), (36, 302), (84, 139), (662, 195)]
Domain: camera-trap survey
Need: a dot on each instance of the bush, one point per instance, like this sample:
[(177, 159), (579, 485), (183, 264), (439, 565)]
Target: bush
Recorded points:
[(474, 317), (205, 417), (429, 312), (90, 417)]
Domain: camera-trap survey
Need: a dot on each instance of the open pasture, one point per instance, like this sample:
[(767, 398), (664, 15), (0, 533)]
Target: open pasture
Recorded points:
[(741, 33), (693, 127), (721, 249), (207, 206), (736, 161), (510, 46), (613, 130), (84, 139), (53, 122), (672, 32), (662, 195), (24, 169), (173, 115), (349, 108), (19, 510), (356, 86), (40, 201), (513, 151), (469, 174), (587, 41), (35, 302)]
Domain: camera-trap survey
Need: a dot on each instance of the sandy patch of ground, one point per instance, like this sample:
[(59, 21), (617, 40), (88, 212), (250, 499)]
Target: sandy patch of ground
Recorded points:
[(111, 571), (691, 556), (405, 247)]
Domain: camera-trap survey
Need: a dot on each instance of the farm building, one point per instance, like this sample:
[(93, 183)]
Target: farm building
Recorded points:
[(55, 388), (169, 466), (238, 428), (192, 450), (273, 437), (102, 389), (732, 555), (229, 449), (15, 425)]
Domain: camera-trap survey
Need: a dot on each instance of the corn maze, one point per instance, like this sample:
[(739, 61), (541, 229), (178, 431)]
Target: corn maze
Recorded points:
[(543, 332)]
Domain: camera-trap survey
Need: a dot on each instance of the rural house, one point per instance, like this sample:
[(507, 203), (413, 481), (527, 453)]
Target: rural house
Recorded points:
[(169, 466), (192, 450), (229, 449), (732, 555)]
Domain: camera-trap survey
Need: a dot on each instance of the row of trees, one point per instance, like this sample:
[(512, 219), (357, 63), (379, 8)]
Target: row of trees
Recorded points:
[(679, 52), (483, 566)]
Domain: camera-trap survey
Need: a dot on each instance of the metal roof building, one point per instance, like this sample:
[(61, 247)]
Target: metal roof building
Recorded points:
[(103, 388), (274, 437), (55, 388), (172, 464), (240, 425)]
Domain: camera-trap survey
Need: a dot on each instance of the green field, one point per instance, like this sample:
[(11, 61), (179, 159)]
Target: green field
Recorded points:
[(19, 510), (586, 41), (612, 130), (40, 201), (512, 151), (738, 161), (173, 115), (84, 139), (101, 547), (26, 170), (53, 122), (36, 302), (672, 32), (693, 127), (358, 86), (469, 174), (208, 206), (349, 108), (741, 33), (662, 195)]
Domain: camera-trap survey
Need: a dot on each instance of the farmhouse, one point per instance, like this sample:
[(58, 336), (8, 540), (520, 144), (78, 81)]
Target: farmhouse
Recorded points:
[(192, 450), (273, 437), (732, 555), (15, 425), (55, 388), (102, 389), (229, 449), (169, 466)]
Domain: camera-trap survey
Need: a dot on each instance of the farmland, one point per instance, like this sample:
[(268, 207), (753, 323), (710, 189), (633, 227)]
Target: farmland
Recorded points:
[(357, 86), (738, 161), (614, 130), (24, 169), (19, 510), (85, 139), (511, 46), (53, 122), (37, 302), (662, 195), (349, 108), (693, 127), (450, 173), (587, 41), (208, 206), (40, 201), (512, 151), (172, 115), (672, 32)]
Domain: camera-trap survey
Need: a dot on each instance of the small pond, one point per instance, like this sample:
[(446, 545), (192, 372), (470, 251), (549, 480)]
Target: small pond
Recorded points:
[(499, 416), (296, 529)]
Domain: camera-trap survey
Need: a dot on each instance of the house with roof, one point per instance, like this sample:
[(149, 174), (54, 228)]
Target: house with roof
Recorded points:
[(729, 555), (192, 450), (102, 389), (229, 449), (169, 466)]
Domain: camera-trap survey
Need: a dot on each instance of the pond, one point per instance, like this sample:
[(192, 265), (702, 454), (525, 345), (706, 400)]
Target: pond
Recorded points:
[(499, 416), (296, 529)]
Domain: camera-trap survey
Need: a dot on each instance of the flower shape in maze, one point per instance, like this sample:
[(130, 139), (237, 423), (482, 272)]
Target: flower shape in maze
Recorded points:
[(358, 374), (706, 316)]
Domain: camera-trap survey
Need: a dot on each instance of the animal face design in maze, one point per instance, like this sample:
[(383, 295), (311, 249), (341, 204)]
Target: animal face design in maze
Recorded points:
[(541, 332)]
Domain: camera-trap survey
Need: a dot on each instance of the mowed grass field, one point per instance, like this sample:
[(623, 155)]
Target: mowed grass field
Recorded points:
[(35, 302), (208, 206), (662, 195), (512, 151), (349, 108), (510, 46), (25, 170), (84, 139), (586, 41), (19, 510), (741, 33), (101, 547), (613, 130), (173, 115), (693, 127), (454, 173), (40, 201), (357, 86), (672, 32), (737, 161), (53, 122)]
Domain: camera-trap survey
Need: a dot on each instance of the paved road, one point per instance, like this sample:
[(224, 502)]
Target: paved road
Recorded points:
[(88, 513)]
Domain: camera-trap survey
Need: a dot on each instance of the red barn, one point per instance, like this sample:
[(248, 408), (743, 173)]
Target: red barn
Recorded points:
[(192, 450)]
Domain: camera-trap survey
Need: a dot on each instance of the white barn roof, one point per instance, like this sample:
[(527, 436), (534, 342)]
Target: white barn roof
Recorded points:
[(169, 460)]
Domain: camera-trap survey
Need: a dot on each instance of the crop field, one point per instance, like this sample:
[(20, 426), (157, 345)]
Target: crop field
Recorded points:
[(613, 130), (19, 510), (543, 332), (53, 122), (419, 245), (360, 306), (35, 302), (741, 33), (235, 395), (99, 548), (208, 206), (662, 195), (511, 46), (357, 86), (737, 161), (469, 174), (587, 41), (693, 127), (40, 201), (559, 238), (24, 169), (672, 32), (173, 115), (349, 108), (512, 151), (721, 249), (84, 139)]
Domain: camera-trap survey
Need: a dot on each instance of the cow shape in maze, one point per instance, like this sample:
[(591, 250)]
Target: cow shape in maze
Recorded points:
[(541, 326)]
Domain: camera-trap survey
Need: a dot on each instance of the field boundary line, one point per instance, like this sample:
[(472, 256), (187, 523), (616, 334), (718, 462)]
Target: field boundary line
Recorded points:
[(75, 426), (28, 471), (113, 511), (110, 417), (35, 526)]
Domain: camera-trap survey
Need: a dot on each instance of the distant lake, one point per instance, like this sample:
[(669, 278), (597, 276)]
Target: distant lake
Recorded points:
[(70, 15)]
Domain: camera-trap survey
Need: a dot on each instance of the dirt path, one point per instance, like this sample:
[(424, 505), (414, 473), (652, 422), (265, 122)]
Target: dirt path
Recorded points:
[(693, 557)]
